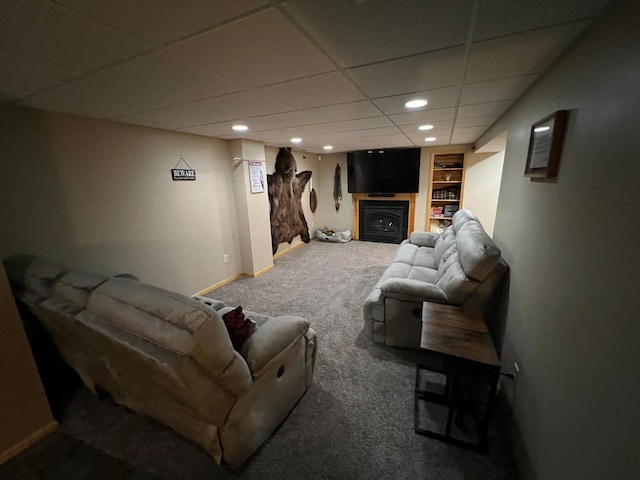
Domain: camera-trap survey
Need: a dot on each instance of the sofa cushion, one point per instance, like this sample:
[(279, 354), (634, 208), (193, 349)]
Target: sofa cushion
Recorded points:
[(478, 254), (406, 253), (271, 339), (425, 257), (444, 243), (453, 281), (175, 321), (461, 217), (395, 270), (75, 287), (40, 276), (424, 239), (423, 274)]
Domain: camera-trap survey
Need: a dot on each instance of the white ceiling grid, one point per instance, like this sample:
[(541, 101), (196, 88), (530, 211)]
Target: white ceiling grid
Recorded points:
[(332, 72)]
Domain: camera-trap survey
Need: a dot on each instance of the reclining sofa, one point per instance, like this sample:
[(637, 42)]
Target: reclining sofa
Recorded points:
[(461, 266), (169, 356)]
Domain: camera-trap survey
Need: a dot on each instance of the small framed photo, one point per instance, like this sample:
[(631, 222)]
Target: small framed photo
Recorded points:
[(545, 146)]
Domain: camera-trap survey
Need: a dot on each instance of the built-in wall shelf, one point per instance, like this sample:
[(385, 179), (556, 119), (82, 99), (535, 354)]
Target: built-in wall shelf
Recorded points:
[(446, 184)]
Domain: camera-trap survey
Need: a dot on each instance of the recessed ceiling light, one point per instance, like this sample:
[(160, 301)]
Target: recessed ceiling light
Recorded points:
[(415, 103), (425, 127), (430, 139), (240, 128), (542, 129), (370, 151), (328, 147), (380, 151), (296, 140)]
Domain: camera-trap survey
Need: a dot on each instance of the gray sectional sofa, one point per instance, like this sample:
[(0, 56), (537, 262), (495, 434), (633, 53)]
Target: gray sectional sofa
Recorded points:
[(170, 356), (462, 267)]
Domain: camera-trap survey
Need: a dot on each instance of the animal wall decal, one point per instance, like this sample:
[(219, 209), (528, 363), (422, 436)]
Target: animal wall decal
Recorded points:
[(285, 198)]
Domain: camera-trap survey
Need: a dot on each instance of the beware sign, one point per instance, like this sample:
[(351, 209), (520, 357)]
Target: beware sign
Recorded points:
[(178, 174)]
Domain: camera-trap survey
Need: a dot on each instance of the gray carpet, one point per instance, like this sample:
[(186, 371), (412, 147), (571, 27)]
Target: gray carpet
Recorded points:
[(356, 421)]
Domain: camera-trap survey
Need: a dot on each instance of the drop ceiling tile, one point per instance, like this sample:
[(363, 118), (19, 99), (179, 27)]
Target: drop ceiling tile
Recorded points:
[(440, 132), (376, 132), (235, 106), (22, 77), (497, 17), (145, 83), (254, 51), (279, 120), (306, 131), (42, 32), (440, 98), (362, 124), (412, 128), (469, 131), (423, 116), (161, 21), (440, 139), (461, 138), (325, 89), (496, 90), (485, 121), (359, 32), (428, 71), (482, 109), (345, 111), (391, 141), (530, 52)]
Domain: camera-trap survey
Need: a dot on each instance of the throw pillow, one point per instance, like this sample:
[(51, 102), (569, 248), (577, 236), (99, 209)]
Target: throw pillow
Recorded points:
[(239, 327)]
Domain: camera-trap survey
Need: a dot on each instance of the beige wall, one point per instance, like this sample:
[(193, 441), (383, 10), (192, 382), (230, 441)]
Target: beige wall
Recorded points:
[(572, 245), (326, 215), (24, 412), (252, 209), (98, 196), (482, 186)]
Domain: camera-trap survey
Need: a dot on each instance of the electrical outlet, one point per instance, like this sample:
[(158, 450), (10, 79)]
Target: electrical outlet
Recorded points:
[(225, 258)]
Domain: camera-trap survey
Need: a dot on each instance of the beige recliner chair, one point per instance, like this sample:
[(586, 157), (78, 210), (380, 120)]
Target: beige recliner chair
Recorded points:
[(170, 356)]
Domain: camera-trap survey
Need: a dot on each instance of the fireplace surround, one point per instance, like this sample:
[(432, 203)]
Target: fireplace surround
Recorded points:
[(380, 230)]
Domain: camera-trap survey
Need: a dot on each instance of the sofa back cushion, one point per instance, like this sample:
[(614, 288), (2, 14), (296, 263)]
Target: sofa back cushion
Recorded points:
[(478, 254), (40, 275), (75, 287), (453, 281), (443, 243), (173, 321)]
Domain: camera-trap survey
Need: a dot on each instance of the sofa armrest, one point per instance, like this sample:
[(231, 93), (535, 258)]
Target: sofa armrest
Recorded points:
[(271, 339), (412, 290), (424, 239)]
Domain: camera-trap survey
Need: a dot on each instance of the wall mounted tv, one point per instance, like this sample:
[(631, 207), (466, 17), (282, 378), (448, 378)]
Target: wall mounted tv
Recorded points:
[(395, 170)]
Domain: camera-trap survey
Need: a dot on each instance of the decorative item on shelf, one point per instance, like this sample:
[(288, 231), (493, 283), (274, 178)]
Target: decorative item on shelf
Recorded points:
[(545, 146), (448, 177), (448, 193), (449, 210)]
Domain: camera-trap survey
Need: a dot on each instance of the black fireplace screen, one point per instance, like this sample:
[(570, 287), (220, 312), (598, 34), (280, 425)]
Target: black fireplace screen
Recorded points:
[(383, 220)]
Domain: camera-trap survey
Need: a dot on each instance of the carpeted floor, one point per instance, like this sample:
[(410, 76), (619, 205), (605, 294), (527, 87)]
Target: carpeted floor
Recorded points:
[(356, 421)]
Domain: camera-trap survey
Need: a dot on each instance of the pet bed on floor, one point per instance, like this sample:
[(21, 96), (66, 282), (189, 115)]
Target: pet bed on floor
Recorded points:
[(329, 235)]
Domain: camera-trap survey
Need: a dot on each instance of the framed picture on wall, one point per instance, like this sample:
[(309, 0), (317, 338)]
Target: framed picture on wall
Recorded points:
[(545, 146)]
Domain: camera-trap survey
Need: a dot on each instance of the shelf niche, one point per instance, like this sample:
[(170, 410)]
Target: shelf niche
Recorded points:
[(446, 186)]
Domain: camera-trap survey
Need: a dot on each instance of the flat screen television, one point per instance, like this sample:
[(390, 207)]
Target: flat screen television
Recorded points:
[(395, 170)]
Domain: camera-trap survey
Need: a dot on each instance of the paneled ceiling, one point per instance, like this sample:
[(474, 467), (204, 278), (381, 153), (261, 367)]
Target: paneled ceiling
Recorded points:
[(332, 72)]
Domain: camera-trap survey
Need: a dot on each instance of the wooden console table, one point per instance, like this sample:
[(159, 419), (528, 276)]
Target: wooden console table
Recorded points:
[(471, 368)]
